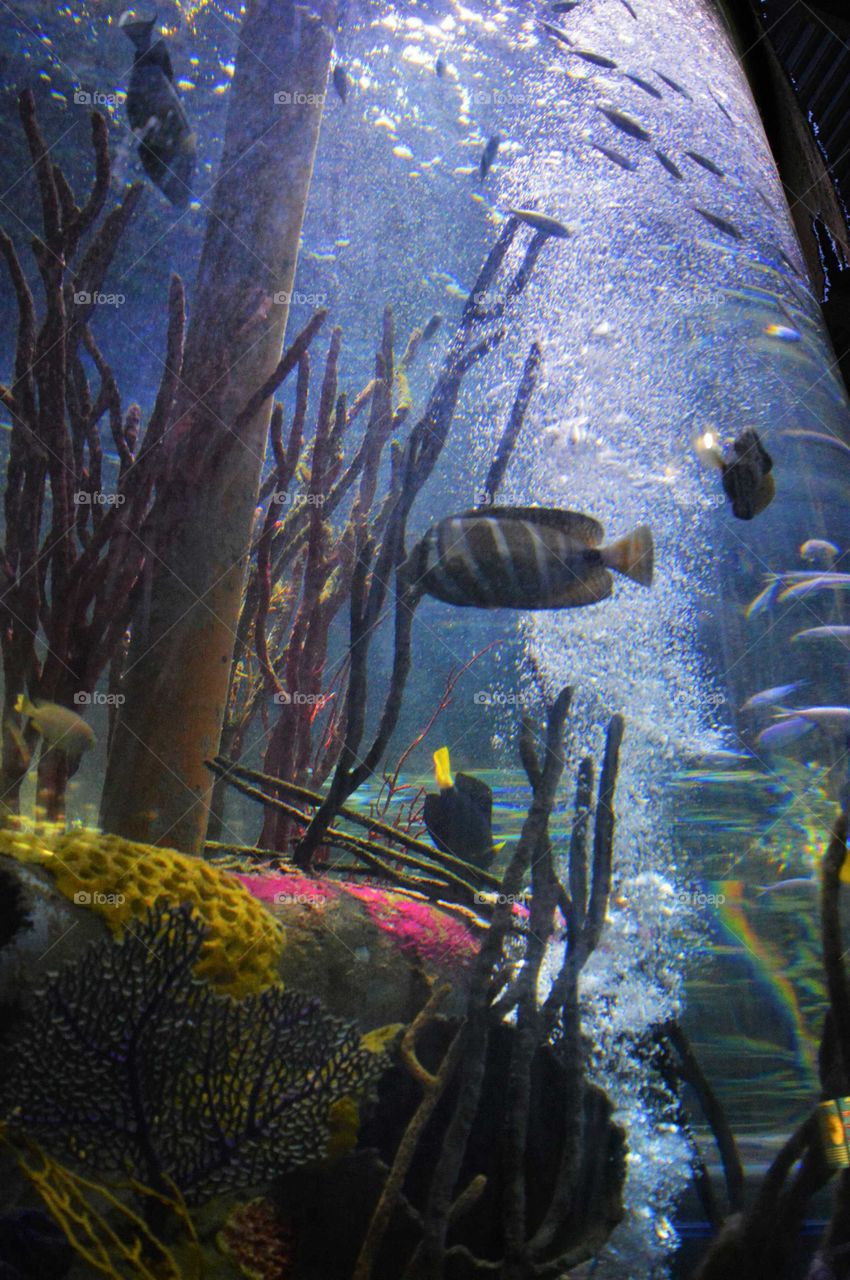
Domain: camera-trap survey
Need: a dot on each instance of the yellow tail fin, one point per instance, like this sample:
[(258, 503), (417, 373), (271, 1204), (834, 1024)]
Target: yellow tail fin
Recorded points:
[(442, 770), (633, 555)]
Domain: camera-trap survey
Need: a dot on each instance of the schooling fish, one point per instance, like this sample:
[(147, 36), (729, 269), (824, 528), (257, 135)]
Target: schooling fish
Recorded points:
[(764, 599), (598, 59), (677, 88), (810, 583), (819, 549), (60, 727), (769, 697), (440, 66), (564, 6), (432, 326), (459, 819), (705, 163), (672, 169), (542, 222), (625, 162), (745, 472), (341, 82), (488, 155), (817, 437), (526, 558), (776, 735), (722, 224), (628, 8), (625, 123), (556, 32), (155, 113), (842, 634), (825, 717), (645, 85)]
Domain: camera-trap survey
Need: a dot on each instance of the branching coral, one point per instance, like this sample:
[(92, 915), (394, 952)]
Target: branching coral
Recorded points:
[(122, 880), (160, 1076), (72, 551)]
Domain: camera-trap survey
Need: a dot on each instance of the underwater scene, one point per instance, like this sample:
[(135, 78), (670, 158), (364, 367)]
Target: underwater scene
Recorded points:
[(423, 605)]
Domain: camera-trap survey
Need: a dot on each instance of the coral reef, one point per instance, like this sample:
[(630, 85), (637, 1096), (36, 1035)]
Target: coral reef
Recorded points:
[(166, 1078), (121, 880), (258, 1241)]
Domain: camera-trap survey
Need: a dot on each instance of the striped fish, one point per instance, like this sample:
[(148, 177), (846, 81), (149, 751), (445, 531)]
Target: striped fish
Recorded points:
[(526, 558)]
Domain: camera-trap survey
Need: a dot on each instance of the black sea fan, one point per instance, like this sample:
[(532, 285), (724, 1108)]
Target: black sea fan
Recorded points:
[(127, 1063)]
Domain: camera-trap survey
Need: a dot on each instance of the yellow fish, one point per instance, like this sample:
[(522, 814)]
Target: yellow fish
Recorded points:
[(61, 728)]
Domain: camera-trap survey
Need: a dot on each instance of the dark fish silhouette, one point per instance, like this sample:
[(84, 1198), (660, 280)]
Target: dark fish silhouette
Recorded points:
[(564, 6), (598, 59), (745, 472), (459, 819), (342, 82), (672, 169), (440, 66), (526, 558), (726, 113), (677, 88), (625, 162), (432, 326), (488, 155), (628, 8), (722, 224), (706, 163), (557, 33), (627, 124), (645, 85), (155, 113)]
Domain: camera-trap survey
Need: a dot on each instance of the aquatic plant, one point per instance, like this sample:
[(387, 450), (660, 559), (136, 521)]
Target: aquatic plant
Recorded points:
[(504, 1158), (72, 550), (121, 880), (162, 1077)]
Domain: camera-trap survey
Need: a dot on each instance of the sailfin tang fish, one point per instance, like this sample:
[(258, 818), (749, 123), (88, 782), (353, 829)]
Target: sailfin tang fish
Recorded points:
[(526, 558), (459, 818), (155, 113)]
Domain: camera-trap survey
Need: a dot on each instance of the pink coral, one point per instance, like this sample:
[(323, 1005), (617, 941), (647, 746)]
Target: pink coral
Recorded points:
[(420, 929)]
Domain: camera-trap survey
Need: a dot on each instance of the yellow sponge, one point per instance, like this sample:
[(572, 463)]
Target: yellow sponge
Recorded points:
[(121, 880)]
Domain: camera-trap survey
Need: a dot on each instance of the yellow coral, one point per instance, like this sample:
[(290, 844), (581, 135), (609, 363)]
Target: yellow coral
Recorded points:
[(121, 880)]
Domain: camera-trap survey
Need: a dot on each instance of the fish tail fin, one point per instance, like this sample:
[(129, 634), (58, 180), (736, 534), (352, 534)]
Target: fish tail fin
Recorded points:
[(442, 769), (633, 555), (708, 452)]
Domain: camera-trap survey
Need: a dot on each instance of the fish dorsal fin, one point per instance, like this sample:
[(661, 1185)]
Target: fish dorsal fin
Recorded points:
[(574, 523), (476, 791)]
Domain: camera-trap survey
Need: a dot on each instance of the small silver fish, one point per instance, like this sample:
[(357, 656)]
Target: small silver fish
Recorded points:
[(556, 32), (526, 558), (771, 697), (764, 599), (645, 85), (819, 549), (628, 8), (842, 634), (825, 717), (598, 59), (705, 163), (625, 162), (782, 885), (777, 735), (627, 124), (672, 169), (542, 222), (722, 224), (811, 583), (817, 437), (677, 88)]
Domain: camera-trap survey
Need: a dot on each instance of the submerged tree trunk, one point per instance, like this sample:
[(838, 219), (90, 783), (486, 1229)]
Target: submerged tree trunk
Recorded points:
[(177, 671)]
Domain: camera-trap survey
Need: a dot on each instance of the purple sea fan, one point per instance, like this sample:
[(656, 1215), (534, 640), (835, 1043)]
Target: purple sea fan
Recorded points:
[(128, 1063)]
